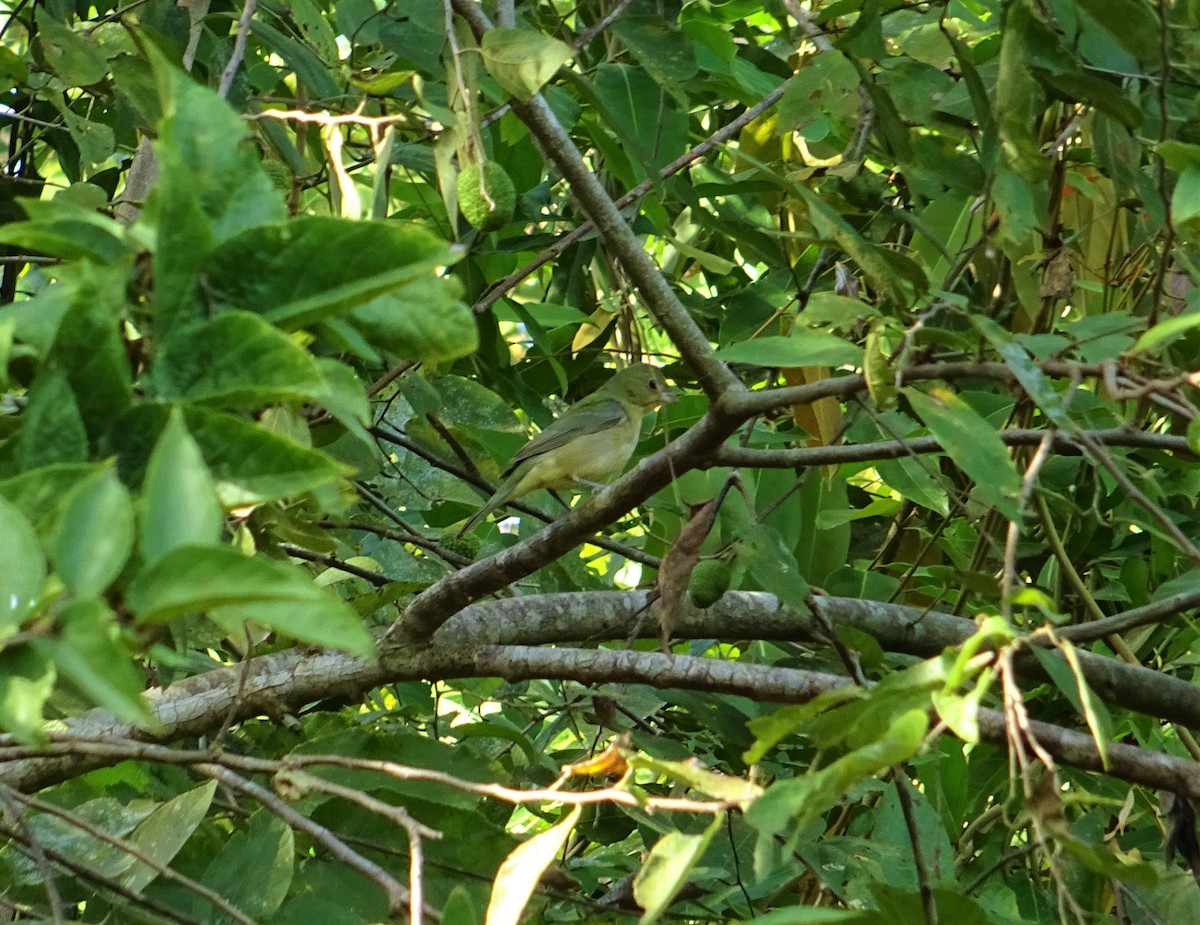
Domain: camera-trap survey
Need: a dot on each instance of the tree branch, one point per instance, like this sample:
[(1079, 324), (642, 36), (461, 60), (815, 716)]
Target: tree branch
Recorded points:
[(714, 376), (504, 638)]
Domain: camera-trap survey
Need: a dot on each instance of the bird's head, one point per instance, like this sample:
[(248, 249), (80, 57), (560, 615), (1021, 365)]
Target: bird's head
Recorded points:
[(643, 386)]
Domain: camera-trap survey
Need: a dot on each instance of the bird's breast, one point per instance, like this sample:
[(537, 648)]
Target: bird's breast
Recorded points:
[(588, 457)]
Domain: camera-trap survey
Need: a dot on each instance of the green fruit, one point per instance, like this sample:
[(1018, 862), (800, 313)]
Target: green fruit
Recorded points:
[(486, 195), (710, 579)]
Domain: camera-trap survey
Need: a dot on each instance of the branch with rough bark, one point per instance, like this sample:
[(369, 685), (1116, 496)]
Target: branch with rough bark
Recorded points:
[(507, 639)]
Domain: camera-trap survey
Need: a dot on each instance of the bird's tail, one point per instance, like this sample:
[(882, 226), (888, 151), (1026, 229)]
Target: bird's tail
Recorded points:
[(503, 495)]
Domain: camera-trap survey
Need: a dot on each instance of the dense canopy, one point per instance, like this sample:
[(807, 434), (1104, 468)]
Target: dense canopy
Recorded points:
[(889, 619)]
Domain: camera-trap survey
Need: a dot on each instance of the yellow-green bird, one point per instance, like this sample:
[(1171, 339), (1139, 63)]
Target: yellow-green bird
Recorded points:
[(592, 440)]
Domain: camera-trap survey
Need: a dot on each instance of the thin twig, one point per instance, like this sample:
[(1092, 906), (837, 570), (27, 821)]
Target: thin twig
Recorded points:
[(123, 844), (239, 49), (397, 894)]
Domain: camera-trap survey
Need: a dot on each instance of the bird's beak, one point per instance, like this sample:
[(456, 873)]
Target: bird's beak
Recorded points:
[(669, 397)]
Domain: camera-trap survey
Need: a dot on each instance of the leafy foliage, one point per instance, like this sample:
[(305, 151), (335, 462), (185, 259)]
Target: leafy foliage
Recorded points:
[(924, 276)]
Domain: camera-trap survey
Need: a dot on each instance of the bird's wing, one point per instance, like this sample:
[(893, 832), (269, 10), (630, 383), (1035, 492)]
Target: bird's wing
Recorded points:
[(587, 417)]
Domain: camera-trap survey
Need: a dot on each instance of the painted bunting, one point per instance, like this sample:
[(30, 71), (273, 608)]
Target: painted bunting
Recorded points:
[(591, 441)]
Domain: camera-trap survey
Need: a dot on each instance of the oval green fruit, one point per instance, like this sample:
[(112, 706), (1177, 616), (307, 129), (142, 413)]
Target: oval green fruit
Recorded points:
[(486, 195), (710, 579)]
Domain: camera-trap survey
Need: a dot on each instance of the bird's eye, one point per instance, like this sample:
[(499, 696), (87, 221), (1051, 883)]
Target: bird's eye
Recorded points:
[(652, 384)]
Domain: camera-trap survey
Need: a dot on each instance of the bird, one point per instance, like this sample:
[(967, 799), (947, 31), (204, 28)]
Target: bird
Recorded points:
[(592, 440)]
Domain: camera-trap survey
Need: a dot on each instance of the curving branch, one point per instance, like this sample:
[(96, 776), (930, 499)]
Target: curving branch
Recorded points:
[(506, 638)]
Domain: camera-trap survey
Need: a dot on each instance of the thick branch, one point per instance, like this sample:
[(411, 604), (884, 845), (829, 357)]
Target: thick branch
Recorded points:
[(498, 638)]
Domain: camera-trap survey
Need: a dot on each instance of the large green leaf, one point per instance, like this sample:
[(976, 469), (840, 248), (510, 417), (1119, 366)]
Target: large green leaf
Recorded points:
[(179, 498), (254, 868), (90, 654), (89, 349), (642, 115), (236, 360), (317, 267), (194, 579), (665, 871), (76, 61), (522, 60), (39, 493), (249, 463), (973, 444), (210, 187), (94, 536), (802, 348), (64, 229), (161, 834), (22, 568), (52, 429)]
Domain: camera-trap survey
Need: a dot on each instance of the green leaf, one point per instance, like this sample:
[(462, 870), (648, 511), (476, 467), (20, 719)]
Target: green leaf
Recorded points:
[(13, 70), (667, 54), (1063, 668), (249, 464), (1028, 373), (252, 465), (808, 915), (235, 360), (22, 568), (95, 140), (1166, 331), (790, 805), (179, 498), (210, 187), (773, 565), (522, 60), (459, 908), (316, 267), (643, 116), (521, 871), (308, 67), (973, 444), (76, 61), (1132, 23), (235, 588), (344, 395), (710, 783), (39, 493), (52, 429), (771, 729), (201, 138), (896, 277), (255, 869), (66, 230), (89, 348), (161, 834), (469, 404), (665, 871), (827, 85), (802, 348), (914, 482), (90, 654), (26, 681), (88, 557), (424, 319), (1185, 201)]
